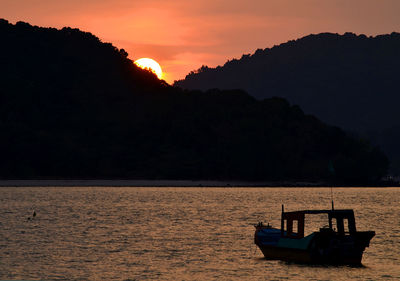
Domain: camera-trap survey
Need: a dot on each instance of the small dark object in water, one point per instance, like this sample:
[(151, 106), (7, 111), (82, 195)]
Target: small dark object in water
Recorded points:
[(326, 246), (33, 216)]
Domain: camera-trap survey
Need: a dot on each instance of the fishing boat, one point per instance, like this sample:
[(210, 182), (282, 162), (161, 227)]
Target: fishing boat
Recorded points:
[(337, 242)]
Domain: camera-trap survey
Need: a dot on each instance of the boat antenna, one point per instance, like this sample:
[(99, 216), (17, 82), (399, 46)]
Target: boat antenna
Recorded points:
[(332, 172)]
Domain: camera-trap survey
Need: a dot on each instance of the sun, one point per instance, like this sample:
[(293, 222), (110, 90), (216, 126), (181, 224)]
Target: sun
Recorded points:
[(150, 64)]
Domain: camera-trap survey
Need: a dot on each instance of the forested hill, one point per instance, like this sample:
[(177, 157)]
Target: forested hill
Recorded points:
[(73, 107), (346, 80)]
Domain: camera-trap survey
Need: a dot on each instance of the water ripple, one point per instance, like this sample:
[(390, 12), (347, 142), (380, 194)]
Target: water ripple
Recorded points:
[(87, 233)]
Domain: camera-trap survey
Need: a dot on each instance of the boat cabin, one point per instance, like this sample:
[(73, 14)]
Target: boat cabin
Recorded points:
[(340, 221)]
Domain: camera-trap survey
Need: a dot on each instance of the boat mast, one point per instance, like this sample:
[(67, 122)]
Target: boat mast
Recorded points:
[(333, 173), (282, 221)]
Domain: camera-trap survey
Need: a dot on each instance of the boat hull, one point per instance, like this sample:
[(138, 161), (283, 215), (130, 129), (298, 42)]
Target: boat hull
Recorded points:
[(285, 254), (318, 248), (309, 257)]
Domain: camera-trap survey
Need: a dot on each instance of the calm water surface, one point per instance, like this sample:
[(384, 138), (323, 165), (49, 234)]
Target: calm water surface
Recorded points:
[(85, 233)]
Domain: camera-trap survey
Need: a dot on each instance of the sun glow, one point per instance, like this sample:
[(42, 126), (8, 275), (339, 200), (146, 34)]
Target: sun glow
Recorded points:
[(150, 64)]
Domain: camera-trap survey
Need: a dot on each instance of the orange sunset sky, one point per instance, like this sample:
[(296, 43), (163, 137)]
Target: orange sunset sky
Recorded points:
[(183, 35)]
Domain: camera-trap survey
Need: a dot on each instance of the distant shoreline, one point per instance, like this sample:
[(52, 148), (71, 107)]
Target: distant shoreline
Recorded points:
[(174, 183)]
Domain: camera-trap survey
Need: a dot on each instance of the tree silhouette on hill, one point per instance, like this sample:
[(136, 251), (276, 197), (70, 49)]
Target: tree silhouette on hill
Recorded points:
[(348, 80), (74, 107)]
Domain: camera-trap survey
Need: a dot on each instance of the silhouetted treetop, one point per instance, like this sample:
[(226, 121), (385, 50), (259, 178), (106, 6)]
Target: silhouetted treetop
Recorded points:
[(348, 80), (72, 106)]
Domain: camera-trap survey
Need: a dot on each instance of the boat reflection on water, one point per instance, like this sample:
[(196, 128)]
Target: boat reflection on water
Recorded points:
[(337, 243)]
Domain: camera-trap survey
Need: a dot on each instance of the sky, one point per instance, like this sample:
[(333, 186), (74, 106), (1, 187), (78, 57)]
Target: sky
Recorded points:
[(183, 35)]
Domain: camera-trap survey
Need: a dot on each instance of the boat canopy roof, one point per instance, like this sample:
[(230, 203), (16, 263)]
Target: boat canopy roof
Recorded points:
[(329, 212)]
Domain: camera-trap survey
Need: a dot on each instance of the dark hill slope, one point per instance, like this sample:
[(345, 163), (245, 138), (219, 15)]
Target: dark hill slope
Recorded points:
[(347, 80), (74, 107)]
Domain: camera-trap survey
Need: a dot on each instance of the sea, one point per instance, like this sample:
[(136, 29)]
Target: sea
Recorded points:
[(169, 233)]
